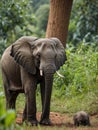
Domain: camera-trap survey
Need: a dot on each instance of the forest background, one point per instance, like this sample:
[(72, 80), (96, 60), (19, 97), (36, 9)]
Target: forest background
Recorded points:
[(80, 82)]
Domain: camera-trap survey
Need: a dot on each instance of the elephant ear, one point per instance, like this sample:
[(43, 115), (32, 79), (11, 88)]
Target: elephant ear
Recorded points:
[(22, 53), (60, 52)]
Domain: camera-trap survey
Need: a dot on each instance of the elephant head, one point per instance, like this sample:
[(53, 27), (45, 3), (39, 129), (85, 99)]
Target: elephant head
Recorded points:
[(45, 54)]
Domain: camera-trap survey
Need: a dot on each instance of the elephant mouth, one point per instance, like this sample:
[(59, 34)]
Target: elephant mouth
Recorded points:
[(48, 70), (44, 73), (60, 75)]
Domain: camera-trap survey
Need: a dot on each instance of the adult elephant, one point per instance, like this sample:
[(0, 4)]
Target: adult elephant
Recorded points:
[(26, 63)]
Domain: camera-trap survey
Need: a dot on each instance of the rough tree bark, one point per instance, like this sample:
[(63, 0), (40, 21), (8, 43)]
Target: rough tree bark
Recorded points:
[(58, 21)]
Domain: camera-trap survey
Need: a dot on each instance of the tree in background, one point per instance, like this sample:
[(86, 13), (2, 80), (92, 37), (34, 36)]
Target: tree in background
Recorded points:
[(59, 19)]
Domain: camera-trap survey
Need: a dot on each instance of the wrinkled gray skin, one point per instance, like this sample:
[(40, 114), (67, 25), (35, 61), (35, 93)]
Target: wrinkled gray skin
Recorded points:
[(26, 63), (81, 118)]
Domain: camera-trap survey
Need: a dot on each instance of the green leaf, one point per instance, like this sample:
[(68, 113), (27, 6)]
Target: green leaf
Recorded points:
[(10, 117)]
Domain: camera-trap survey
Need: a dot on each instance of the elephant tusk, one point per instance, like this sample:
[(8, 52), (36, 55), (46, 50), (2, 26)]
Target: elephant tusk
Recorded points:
[(59, 74), (41, 73)]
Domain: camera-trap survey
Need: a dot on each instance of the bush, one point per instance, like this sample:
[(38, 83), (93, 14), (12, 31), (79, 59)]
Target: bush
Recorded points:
[(7, 118), (80, 71)]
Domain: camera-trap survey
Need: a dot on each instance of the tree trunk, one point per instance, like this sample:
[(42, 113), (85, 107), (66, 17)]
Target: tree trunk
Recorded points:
[(59, 19)]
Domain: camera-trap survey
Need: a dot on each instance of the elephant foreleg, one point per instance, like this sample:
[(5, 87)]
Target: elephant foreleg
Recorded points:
[(30, 107), (46, 105), (29, 85), (42, 90), (46, 111)]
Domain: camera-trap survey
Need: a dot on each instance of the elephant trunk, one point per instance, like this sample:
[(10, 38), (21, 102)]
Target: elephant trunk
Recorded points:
[(48, 90)]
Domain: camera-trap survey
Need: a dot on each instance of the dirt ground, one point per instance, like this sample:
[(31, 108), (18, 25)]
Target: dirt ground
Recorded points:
[(64, 120)]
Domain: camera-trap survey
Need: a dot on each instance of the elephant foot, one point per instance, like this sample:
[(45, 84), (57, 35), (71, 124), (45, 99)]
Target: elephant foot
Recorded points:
[(33, 122), (30, 122), (45, 122)]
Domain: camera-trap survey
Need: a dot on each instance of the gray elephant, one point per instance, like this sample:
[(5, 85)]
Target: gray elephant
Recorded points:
[(26, 63)]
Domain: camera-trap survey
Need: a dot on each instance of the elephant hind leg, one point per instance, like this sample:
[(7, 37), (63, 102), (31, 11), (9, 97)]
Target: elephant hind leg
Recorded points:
[(11, 100), (10, 95)]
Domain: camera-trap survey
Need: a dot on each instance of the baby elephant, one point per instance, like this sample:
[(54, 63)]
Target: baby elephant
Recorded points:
[(81, 118)]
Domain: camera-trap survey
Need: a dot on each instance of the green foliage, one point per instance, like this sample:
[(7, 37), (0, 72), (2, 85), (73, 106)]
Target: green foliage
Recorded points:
[(42, 18), (13, 13), (78, 90), (2, 45), (37, 3), (83, 23), (7, 118), (18, 18), (80, 71), (14, 20)]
